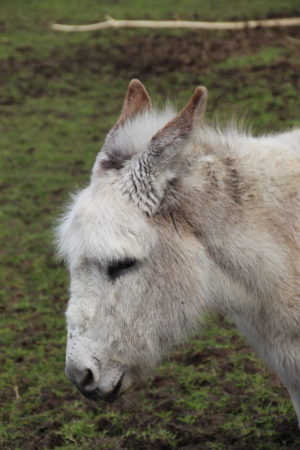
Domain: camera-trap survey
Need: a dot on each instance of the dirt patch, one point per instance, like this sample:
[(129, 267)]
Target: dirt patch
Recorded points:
[(158, 53), (194, 52)]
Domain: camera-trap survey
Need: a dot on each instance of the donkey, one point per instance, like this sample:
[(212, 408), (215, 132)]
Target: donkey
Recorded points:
[(181, 218)]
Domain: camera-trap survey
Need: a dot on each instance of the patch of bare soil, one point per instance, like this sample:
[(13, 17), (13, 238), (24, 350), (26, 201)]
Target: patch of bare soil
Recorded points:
[(158, 53), (194, 52)]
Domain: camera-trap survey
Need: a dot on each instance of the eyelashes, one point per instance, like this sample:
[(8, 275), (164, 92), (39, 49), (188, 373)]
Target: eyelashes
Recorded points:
[(118, 268), (113, 270)]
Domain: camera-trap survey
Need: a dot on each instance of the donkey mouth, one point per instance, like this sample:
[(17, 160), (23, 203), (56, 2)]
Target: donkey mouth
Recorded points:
[(114, 394)]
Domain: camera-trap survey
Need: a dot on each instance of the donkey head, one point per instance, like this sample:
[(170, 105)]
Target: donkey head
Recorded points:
[(133, 259)]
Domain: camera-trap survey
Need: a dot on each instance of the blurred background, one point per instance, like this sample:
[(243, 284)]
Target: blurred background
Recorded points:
[(59, 95)]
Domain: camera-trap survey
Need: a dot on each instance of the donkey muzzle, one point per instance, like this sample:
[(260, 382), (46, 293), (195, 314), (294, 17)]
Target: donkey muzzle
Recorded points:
[(96, 383)]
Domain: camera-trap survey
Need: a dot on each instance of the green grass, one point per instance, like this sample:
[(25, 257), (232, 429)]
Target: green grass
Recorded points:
[(59, 94)]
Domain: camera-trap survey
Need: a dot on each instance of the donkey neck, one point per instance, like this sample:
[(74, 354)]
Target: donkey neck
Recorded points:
[(237, 215)]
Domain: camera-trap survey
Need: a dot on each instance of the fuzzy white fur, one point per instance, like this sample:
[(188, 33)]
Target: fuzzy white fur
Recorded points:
[(233, 244)]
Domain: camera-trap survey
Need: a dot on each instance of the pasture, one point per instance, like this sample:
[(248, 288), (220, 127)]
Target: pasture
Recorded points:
[(59, 95)]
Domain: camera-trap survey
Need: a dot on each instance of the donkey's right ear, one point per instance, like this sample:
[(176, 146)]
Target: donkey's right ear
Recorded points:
[(158, 164), (137, 100)]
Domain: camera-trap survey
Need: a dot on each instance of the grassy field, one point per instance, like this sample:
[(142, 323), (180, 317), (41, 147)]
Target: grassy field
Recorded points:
[(59, 94)]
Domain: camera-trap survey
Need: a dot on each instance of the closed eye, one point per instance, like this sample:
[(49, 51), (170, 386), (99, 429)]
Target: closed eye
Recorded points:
[(119, 268)]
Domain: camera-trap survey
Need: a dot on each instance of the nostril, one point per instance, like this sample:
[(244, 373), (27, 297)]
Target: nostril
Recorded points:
[(88, 379), (84, 379)]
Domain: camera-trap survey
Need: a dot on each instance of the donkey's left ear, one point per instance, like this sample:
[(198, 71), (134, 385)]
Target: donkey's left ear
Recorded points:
[(153, 168), (136, 101)]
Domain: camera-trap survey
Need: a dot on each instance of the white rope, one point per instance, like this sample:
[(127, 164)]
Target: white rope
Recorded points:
[(113, 23)]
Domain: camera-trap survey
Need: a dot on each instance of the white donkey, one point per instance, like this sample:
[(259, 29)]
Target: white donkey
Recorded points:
[(180, 218)]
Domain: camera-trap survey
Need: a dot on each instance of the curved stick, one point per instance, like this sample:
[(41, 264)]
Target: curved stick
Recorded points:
[(112, 23)]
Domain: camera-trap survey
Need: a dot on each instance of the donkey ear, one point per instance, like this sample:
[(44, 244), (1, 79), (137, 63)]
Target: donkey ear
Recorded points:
[(153, 168), (136, 101), (166, 144)]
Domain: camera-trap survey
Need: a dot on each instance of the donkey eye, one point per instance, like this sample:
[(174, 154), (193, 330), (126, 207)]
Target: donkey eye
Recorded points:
[(120, 267)]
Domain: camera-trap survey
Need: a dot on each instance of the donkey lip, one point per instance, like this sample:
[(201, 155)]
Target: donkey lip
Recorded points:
[(113, 395), (91, 395)]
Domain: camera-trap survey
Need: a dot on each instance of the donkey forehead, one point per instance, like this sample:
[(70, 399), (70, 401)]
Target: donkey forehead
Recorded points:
[(103, 224), (136, 133)]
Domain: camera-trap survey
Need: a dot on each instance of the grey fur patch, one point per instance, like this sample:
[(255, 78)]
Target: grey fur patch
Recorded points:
[(114, 160), (233, 180)]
